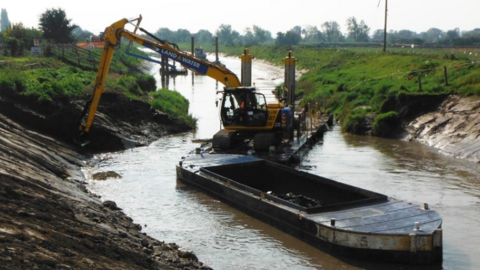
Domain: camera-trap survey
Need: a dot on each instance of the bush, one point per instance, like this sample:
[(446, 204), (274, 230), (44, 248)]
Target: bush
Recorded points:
[(354, 121), (173, 104), (147, 83), (6, 85), (386, 124)]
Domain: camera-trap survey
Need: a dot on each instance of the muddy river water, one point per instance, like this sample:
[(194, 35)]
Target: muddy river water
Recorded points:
[(224, 238)]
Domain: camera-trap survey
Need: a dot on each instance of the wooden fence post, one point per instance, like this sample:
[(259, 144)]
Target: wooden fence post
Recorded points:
[(446, 75), (420, 82)]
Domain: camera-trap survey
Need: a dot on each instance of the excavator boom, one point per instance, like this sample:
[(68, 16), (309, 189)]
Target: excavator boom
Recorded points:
[(113, 35), (244, 113)]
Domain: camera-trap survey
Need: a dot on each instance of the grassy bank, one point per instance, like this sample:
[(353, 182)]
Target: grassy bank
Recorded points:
[(50, 79), (355, 84)]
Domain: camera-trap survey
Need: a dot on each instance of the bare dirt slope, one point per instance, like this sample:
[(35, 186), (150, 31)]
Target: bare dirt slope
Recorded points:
[(454, 128), (48, 220)]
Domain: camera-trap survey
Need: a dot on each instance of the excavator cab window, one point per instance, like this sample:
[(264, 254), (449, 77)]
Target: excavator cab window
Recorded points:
[(244, 108)]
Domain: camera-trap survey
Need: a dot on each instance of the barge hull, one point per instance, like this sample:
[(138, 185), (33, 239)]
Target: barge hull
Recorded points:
[(311, 226)]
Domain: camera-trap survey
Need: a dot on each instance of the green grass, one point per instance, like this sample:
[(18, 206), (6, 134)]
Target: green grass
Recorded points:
[(353, 83), (173, 103), (385, 124), (53, 80), (47, 78)]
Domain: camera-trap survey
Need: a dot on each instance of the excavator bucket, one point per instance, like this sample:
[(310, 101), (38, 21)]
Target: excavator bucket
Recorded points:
[(81, 139)]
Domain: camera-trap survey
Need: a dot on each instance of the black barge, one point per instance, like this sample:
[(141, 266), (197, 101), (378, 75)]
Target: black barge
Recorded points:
[(323, 212)]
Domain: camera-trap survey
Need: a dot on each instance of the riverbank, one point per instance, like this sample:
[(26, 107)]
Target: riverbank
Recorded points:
[(48, 219), (453, 128)]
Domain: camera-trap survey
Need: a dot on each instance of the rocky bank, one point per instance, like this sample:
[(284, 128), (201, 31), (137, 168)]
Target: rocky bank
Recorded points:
[(48, 220), (453, 128)]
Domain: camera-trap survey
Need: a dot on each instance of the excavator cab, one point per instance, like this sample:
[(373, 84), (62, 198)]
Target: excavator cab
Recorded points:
[(242, 106)]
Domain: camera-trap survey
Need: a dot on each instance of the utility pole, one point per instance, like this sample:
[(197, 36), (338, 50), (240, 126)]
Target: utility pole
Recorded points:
[(385, 29)]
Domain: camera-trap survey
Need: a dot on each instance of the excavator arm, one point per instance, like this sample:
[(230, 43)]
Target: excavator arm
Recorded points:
[(202, 66), (113, 35)]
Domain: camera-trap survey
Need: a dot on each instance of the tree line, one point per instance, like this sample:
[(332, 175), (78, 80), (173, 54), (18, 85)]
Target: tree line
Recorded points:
[(329, 32), (55, 27)]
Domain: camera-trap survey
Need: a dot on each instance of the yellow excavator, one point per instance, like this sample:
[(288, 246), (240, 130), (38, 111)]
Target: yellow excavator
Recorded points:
[(244, 113)]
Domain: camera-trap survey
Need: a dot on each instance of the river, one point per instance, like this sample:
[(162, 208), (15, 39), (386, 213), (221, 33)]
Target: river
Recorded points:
[(224, 238)]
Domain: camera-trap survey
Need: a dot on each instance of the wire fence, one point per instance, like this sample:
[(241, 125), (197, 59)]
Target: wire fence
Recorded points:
[(409, 75), (84, 58)]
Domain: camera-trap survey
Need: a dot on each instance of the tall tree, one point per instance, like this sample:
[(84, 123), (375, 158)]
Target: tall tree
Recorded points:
[(225, 34), (165, 34), (312, 34), (56, 26), (451, 36), (406, 34), (433, 35), (280, 38), (182, 35), (291, 37), (357, 32), (297, 30), (249, 37), (15, 36), (4, 22), (261, 35), (237, 38), (473, 34), (378, 35), (331, 30), (204, 36), (469, 38)]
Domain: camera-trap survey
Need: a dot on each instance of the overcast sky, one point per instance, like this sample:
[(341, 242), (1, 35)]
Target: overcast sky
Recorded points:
[(273, 15)]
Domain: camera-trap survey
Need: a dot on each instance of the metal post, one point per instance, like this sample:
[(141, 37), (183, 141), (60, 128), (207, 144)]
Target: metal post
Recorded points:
[(217, 61), (290, 79), (167, 68), (163, 70), (193, 46), (385, 29), (309, 115), (246, 70)]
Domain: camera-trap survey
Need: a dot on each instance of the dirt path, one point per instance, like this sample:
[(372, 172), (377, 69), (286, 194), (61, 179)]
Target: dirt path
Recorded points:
[(48, 220)]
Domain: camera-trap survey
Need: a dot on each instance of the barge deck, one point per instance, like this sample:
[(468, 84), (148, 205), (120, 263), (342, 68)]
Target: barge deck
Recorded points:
[(322, 212)]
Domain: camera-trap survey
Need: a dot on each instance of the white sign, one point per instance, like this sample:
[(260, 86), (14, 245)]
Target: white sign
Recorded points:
[(36, 42), (36, 51)]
